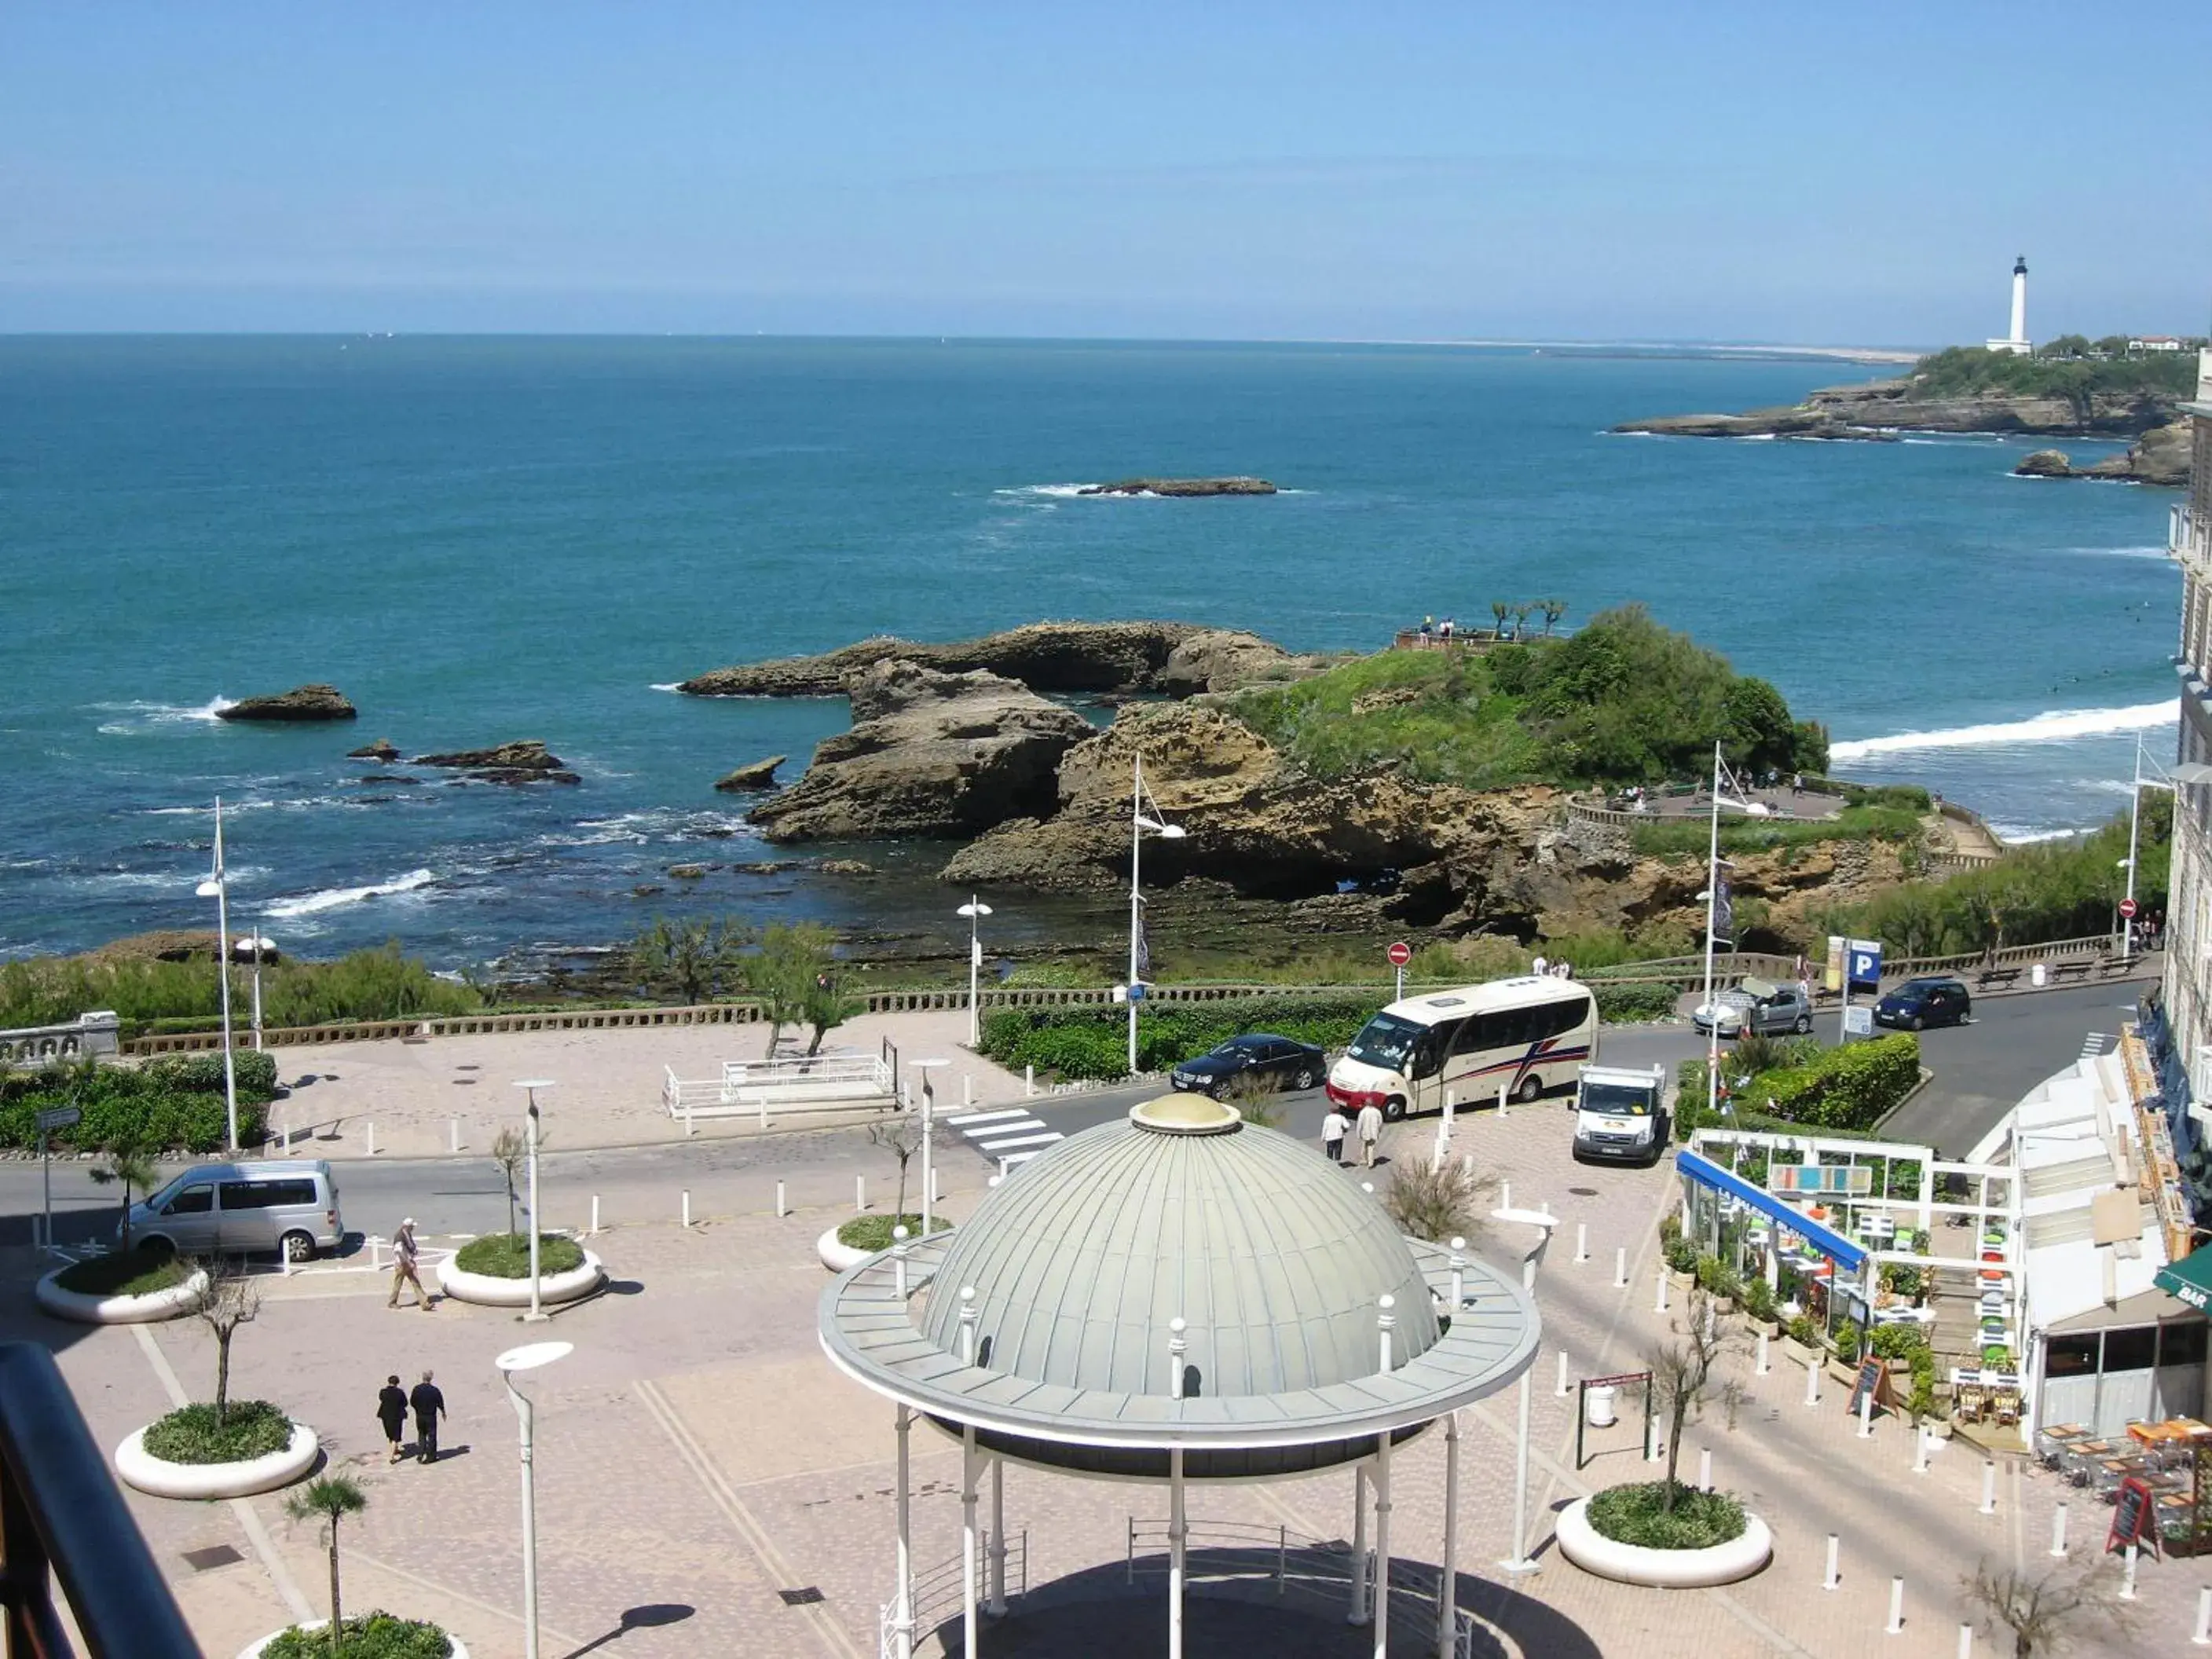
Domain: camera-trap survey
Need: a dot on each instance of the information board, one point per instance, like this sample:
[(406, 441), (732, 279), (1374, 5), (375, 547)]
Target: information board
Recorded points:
[(2135, 1518), (1873, 1379)]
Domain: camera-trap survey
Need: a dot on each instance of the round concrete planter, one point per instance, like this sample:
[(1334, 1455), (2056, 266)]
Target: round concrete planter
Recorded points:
[(1633, 1564), (163, 1479), (256, 1649), (836, 1256), (116, 1309), (491, 1292)]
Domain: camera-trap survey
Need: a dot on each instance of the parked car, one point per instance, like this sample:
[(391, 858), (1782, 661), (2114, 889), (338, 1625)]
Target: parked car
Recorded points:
[(1755, 1006), (1934, 1000), (279, 1203), (1281, 1062)]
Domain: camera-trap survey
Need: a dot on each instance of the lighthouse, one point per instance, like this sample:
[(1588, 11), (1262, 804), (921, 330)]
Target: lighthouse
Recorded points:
[(2017, 342)]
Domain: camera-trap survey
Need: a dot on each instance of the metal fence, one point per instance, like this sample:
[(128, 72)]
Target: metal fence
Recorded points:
[(765, 1088)]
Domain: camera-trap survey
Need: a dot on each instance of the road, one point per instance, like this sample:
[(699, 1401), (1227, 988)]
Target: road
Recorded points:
[(1980, 1070)]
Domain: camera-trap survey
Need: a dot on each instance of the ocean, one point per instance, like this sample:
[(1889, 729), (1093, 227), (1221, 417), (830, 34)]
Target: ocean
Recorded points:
[(481, 539)]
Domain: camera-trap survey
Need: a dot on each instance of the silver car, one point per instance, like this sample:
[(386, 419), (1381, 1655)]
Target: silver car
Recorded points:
[(1755, 1006), (272, 1205)]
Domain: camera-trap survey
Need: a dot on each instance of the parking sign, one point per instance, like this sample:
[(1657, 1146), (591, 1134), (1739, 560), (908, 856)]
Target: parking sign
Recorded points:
[(1865, 957)]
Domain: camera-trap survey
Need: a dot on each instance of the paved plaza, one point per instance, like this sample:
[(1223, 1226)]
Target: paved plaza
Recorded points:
[(703, 1473)]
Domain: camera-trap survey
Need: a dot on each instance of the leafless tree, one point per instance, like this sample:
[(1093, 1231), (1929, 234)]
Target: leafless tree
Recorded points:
[(1685, 1373), (901, 1136), (2044, 1611), (228, 1299)]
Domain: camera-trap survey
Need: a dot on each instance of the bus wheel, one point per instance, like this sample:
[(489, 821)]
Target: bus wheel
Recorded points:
[(1393, 1109), (1531, 1086)]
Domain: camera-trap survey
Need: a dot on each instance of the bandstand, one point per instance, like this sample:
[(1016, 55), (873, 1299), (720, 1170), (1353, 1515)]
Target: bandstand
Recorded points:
[(1181, 1298)]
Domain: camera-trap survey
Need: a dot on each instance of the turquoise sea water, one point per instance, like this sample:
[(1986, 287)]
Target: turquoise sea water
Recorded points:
[(494, 539)]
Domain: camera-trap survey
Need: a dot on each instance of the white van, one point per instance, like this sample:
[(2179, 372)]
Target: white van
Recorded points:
[(1525, 1035), (1620, 1113), (279, 1203)]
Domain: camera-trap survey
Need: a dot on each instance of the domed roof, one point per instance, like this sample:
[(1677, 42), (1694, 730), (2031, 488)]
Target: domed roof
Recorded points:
[(1276, 1262)]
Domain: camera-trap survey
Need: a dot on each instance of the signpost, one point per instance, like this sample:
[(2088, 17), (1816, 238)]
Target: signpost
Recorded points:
[(1860, 960), (1873, 1380), (57, 1117), (1581, 1407), (2127, 909), (1399, 953), (2134, 1518)]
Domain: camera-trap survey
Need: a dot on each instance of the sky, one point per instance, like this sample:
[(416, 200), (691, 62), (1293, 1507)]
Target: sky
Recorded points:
[(1698, 170)]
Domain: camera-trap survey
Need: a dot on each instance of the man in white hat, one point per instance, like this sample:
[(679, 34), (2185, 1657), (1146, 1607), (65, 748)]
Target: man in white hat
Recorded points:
[(404, 1254)]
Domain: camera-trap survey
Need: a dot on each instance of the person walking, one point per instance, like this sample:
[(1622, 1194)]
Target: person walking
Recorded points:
[(404, 1259), (429, 1405), (391, 1412), (1334, 1128), (1371, 1131)]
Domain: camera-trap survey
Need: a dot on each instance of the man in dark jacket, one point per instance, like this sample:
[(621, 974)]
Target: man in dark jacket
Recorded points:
[(429, 1405)]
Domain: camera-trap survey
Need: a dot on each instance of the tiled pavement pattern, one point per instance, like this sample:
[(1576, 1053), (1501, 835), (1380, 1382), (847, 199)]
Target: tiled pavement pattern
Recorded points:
[(697, 1454)]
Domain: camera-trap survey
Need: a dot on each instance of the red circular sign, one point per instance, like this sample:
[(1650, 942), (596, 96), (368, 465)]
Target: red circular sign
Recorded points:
[(2127, 911), (1402, 953)]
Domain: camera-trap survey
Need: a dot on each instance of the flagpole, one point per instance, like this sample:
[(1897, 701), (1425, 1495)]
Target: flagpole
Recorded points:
[(223, 959), (1136, 848), (1712, 910)]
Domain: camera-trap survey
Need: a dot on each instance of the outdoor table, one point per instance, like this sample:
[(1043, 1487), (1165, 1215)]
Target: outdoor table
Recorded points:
[(2155, 1434), (2094, 1448), (2065, 1431)]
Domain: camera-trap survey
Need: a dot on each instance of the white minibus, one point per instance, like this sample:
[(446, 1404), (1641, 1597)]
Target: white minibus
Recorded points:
[(1524, 1034)]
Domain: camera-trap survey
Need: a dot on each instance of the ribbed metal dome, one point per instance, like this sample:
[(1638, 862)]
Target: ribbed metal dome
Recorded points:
[(1274, 1259)]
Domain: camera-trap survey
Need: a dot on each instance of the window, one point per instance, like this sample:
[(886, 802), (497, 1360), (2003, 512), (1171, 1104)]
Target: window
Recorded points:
[(2070, 1356), (241, 1195), (2183, 1344), (2135, 1349), (190, 1201), (1386, 1042), (266, 1194)]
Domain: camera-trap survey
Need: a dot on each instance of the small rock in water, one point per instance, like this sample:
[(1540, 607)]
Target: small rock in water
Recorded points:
[(383, 750), (761, 775), (303, 702), (2045, 463)]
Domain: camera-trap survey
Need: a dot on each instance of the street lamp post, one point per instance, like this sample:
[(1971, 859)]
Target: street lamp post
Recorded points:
[(928, 1148), (974, 910), (530, 1086), (217, 887), (1543, 1221), (529, 1357), (1139, 964), (262, 945)]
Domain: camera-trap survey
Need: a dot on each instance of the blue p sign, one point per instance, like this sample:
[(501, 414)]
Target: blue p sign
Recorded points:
[(1865, 963)]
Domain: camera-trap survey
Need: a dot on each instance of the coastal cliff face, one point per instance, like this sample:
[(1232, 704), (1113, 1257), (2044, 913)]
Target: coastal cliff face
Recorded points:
[(2160, 456), (1879, 408), (1098, 657)]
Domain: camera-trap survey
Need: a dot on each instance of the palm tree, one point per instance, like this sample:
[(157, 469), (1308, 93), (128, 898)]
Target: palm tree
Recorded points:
[(329, 1498), (1521, 619), (124, 1159), (1552, 609), (1500, 609)]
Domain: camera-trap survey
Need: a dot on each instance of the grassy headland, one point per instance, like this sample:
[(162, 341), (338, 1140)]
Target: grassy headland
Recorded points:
[(2058, 369)]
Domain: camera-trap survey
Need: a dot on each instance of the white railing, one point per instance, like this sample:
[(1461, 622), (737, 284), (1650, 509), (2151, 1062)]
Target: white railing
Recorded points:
[(941, 1589), (762, 1088)]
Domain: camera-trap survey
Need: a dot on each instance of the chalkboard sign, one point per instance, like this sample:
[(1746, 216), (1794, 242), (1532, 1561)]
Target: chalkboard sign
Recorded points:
[(1874, 1376), (2134, 1518)]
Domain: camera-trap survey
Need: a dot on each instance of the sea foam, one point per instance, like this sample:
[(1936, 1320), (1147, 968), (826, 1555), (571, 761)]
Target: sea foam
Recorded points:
[(2043, 728), (330, 898)]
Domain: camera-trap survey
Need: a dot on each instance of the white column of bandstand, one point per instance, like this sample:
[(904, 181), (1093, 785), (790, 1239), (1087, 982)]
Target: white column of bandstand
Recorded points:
[(1448, 1579), (997, 1608), (1357, 1613), (902, 1615), (1176, 1556), (1384, 1321)]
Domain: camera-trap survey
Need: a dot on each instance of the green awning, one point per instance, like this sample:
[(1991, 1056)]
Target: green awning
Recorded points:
[(2189, 1280)]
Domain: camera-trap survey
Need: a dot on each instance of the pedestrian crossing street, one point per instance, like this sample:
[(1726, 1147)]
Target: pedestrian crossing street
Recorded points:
[(1009, 1136), (2095, 1043)]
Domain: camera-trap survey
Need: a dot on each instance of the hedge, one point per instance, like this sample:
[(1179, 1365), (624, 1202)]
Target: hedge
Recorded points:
[(373, 1636), (176, 1102), (1844, 1091)]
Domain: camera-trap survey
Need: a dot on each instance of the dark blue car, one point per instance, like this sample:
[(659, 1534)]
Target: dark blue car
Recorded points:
[(1935, 1000)]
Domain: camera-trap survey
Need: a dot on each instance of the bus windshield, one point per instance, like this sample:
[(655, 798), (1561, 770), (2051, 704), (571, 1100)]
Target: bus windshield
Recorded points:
[(1386, 1042), (1616, 1100)]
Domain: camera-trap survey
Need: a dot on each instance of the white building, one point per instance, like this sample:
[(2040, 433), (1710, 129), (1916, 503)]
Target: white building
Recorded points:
[(2156, 343), (2017, 342)]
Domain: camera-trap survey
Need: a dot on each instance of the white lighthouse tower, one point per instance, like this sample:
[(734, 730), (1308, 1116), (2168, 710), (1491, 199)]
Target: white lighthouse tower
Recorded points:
[(2017, 342)]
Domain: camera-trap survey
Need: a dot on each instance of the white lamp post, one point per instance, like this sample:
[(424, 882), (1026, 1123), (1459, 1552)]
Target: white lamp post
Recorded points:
[(217, 887), (928, 1137), (262, 945), (530, 1086), (1544, 1221), (1139, 823), (974, 910), (529, 1357)]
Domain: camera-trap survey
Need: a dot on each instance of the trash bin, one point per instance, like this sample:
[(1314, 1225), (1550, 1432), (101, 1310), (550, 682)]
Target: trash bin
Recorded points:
[(2038, 976), (1597, 1406)]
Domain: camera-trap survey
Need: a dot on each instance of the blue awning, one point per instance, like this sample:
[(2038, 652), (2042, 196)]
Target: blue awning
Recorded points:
[(1846, 1254)]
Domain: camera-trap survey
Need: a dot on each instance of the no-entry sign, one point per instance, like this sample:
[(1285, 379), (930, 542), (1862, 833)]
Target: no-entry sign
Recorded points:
[(2127, 914), (1400, 953)]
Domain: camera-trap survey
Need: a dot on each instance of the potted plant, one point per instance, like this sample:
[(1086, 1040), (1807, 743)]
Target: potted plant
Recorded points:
[(368, 1636), (225, 1448), (1802, 1338), (494, 1271), (851, 1243)]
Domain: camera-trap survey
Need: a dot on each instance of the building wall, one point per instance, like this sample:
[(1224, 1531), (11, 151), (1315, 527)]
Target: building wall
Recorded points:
[(2188, 988)]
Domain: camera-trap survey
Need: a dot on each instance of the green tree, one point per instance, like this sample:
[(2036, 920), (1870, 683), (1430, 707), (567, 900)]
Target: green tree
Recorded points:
[(2113, 345), (1500, 609), (693, 957), (329, 1499), (1757, 731), (126, 1162), (2066, 345), (825, 1006), (1520, 613), (787, 971), (1552, 609)]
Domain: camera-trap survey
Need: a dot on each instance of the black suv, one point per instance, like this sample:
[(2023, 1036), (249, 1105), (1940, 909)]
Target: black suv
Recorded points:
[(1937, 1000)]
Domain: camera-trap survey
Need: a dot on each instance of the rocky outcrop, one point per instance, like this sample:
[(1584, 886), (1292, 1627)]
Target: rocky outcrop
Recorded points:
[(1880, 409), (761, 775), (2160, 456), (1224, 660), (383, 750), (929, 754), (527, 760), (1238, 486), (1051, 656), (302, 703)]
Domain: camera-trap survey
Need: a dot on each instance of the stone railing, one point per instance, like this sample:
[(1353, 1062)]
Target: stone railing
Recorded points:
[(92, 1036)]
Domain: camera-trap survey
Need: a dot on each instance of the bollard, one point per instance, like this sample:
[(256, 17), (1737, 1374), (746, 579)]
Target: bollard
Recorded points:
[(1832, 1577), (1005, 1167), (2203, 1638), (371, 1128), (1764, 1367), (1966, 1642), (1989, 1485), (1896, 1625), (2059, 1530), (284, 1260), (687, 1209), (1582, 1241), (1504, 1094), (781, 1208), (1705, 1468), (967, 1089), (453, 1134), (1659, 1304), (859, 1192), (375, 1253), (595, 1215), (1866, 1415), (1920, 1451), (1028, 1081), (2128, 1574), (1504, 1195), (1812, 1381), (936, 1190), (1620, 1267), (1564, 1390)]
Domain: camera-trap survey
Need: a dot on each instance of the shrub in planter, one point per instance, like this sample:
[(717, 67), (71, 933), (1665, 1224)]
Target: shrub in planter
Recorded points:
[(1996, 1357), (1681, 1257), (1639, 1514), (1848, 1338), (137, 1272), (1803, 1332), (1896, 1341), (506, 1255), (236, 1432), (372, 1636), (1758, 1300), (873, 1232)]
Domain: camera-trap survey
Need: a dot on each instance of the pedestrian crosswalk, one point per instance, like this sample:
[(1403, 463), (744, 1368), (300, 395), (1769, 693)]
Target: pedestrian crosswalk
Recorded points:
[(1011, 1135), (2095, 1043)]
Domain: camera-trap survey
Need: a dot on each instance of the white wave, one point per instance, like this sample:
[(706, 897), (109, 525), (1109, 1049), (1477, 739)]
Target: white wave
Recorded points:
[(672, 685), (2014, 836), (144, 717), (331, 898), (2043, 728), (2157, 553), (1056, 490)]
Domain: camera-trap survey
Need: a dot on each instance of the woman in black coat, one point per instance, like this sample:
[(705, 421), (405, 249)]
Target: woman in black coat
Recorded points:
[(391, 1412)]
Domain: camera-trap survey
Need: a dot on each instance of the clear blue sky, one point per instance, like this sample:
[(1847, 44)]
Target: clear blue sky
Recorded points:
[(1858, 174)]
